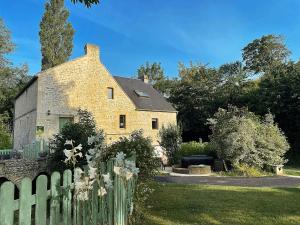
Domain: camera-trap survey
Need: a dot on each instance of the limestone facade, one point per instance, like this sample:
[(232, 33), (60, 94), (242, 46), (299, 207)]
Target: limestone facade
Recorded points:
[(81, 83)]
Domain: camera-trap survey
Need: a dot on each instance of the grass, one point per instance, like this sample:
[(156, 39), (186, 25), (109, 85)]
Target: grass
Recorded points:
[(222, 205), (292, 170)]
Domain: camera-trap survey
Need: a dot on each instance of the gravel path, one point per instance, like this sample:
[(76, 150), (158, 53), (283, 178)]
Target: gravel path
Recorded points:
[(276, 181)]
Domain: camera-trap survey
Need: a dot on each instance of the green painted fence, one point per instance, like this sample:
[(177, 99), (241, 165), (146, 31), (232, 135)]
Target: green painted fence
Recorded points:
[(5, 151), (32, 151), (57, 206)]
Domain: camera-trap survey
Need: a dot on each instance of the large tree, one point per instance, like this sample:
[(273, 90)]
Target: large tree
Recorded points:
[(87, 3), (12, 79), (56, 34), (263, 53)]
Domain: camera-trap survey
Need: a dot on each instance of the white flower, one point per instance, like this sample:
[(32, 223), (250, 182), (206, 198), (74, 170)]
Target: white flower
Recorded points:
[(92, 172), (92, 151), (129, 164), (69, 142), (128, 175), (78, 148), (102, 191), (107, 181), (88, 157), (91, 140), (120, 156), (68, 154), (135, 170), (77, 174), (117, 170)]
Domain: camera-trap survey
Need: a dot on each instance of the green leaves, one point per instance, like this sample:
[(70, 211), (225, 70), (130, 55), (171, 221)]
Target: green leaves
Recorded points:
[(87, 3), (264, 53), (56, 34)]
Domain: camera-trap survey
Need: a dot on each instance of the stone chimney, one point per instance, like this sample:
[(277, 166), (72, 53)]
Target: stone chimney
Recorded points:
[(145, 79), (92, 50)]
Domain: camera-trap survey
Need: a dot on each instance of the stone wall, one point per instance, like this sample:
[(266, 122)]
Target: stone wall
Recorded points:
[(25, 117), (82, 83), (16, 169)]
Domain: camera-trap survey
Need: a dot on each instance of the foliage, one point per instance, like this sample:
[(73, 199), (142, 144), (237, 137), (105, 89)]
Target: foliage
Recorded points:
[(190, 204), (143, 150), (87, 3), (170, 140), (244, 170), (194, 148), (6, 45), (5, 136), (77, 132), (264, 53), (141, 147), (201, 91), (12, 79), (280, 93), (56, 34), (241, 137)]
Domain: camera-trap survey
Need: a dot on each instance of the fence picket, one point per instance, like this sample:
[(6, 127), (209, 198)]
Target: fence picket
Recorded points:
[(110, 209), (55, 199), (7, 209), (67, 197), (25, 202), (41, 200)]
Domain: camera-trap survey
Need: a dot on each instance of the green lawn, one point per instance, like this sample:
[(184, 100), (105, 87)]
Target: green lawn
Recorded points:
[(292, 170), (197, 205)]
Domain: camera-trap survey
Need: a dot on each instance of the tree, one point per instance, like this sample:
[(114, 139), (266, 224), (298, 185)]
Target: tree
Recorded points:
[(262, 54), (56, 34), (6, 45), (241, 137), (87, 3), (79, 132), (154, 72), (170, 140), (12, 79)]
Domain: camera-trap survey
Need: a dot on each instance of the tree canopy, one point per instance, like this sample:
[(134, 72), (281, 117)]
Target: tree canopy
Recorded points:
[(263, 53), (56, 34), (87, 3)]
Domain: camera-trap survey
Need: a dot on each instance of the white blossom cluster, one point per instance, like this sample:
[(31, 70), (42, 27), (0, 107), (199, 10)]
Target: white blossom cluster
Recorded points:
[(73, 153), (125, 168)]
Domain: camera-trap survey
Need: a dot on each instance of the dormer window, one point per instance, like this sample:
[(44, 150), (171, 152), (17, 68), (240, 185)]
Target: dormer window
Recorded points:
[(141, 94), (110, 93)]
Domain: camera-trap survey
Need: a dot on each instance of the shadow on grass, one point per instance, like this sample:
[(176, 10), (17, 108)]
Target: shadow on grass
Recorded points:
[(195, 204)]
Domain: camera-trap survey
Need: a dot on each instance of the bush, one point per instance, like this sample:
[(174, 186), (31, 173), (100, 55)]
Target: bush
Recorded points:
[(245, 170), (241, 137), (5, 138), (145, 161), (193, 148), (5, 135), (170, 140), (79, 133)]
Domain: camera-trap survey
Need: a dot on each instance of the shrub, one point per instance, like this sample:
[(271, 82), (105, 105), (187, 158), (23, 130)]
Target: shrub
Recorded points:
[(170, 140), (79, 133), (241, 137), (193, 148), (5, 138), (145, 161), (5, 135)]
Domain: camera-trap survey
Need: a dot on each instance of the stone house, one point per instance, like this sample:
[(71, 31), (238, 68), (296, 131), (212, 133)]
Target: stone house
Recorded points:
[(119, 105)]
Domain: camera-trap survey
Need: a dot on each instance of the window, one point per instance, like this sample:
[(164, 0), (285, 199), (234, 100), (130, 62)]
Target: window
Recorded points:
[(141, 94), (64, 120), (110, 93), (154, 123), (122, 121)]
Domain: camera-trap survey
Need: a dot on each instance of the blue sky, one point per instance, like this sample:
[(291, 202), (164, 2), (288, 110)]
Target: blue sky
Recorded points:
[(131, 32)]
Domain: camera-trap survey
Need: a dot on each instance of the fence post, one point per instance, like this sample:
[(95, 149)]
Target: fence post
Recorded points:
[(55, 204), (41, 200), (25, 202), (7, 203), (67, 197)]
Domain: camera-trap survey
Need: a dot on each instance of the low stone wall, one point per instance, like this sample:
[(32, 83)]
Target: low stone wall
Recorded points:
[(16, 169)]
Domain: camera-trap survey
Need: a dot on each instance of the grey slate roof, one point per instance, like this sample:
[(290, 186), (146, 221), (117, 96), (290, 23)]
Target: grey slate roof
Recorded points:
[(155, 102)]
